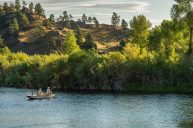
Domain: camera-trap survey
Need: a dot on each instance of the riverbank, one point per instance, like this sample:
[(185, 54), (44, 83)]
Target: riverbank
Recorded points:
[(89, 71), (132, 90)]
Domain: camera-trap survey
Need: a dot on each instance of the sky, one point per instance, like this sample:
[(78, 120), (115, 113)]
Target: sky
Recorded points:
[(154, 10)]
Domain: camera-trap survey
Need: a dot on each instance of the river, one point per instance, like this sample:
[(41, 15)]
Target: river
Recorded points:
[(80, 110)]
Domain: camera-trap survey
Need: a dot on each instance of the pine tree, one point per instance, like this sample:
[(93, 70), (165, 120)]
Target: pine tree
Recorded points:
[(122, 43), (115, 20), (46, 23), (89, 43), (84, 18), (39, 10), (96, 22), (52, 18), (6, 7), (79, 37), (124, 26), (23, 20), (17, 5), (65, 16), (2, 12), (24, 8), (14, 26), (60, 18), (90, 20), (70, 17), (31, 7), (11, 7)]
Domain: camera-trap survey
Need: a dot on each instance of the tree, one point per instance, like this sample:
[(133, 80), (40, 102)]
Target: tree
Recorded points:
[(70, 46), (183, 10), (122, 43), (94, 18), (168, 36), (14, 26), (89, 43), (24, 3), (124, 26), (60, 18), (155, 38), (96, 22), (115, 20), (31, 7), (23, 20), (70, 17), (6, 7), (79, 37), (11, 7), (52, 18), (17, 5), (90, 20), (73, 24), (84, 18), (39, 10), (140, 30), (46, 23), (24, 8), (65, 16), (41, 31), (2, 12)]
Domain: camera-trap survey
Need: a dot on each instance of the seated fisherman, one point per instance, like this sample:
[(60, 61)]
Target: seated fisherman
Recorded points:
[(40, 92), (48, 91)]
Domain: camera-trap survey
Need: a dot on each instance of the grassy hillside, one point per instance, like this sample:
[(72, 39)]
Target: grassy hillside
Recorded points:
[(37, 38), (106, 37)]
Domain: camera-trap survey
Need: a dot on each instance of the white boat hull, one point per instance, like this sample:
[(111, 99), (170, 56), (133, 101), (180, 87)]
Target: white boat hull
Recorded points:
[(42, 96)]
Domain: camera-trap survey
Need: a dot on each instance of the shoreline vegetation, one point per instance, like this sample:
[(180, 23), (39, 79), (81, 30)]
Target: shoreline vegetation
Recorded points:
[(146, 60), (87, 70), (133, 90)]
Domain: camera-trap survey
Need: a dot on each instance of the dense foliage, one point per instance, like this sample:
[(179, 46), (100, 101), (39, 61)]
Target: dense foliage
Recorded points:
[(129, 70)]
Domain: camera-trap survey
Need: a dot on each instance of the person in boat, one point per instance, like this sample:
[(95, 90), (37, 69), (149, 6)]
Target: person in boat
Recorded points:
[(40, 92), (48, 91)]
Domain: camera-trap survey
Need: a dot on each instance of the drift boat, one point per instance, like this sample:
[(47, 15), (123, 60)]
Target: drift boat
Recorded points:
[(46, 96)]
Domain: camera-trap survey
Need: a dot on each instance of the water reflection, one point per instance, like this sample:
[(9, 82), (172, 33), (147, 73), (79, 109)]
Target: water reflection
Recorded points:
[(185, 105)]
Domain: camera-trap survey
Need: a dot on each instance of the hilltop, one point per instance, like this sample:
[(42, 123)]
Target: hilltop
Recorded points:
[(43, 37)]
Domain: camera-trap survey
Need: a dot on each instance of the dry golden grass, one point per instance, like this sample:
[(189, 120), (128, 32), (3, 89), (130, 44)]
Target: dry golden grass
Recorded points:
[(104, 34), (30, 35)]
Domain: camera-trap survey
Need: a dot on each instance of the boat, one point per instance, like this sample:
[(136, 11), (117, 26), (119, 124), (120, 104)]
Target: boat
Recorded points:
[(45, 96)]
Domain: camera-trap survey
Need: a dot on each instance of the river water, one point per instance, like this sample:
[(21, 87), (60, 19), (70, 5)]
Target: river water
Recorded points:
[(80, 110)]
